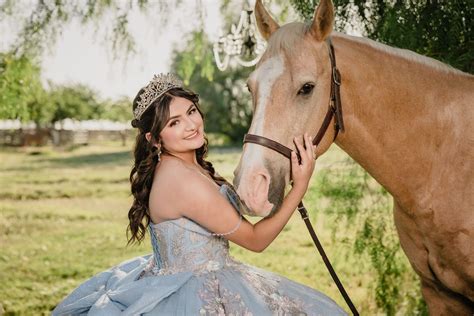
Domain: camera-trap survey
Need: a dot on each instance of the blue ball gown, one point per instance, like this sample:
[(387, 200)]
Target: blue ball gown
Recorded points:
[(191, 273)]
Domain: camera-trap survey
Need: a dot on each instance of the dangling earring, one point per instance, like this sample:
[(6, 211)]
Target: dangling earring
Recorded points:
[(158, 152)]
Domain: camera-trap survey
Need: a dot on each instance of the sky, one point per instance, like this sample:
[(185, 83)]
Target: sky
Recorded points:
[(80, 57)]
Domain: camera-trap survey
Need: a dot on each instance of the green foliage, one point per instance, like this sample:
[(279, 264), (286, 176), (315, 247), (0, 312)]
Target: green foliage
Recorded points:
[(195, 59), (23, 97), (46, 20), (118, 110), (20, 86), (362, 206), (75, 101), (224, 97), (439, 29), (41, 109)]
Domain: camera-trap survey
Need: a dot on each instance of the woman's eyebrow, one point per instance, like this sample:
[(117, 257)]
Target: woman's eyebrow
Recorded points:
[(176, 116)]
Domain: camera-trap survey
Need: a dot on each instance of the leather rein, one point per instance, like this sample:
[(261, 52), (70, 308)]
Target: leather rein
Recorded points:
[(334, 109)]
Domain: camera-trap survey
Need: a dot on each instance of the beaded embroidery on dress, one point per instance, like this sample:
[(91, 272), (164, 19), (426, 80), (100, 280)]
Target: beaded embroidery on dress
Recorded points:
[(192, 273)]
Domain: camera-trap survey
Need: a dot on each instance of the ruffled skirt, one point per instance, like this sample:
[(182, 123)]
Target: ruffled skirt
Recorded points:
[(230, 289)]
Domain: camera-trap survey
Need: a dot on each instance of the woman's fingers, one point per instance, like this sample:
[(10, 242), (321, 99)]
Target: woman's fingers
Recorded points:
[(294, 160), (309, 147), (301, 150), (307, 151)]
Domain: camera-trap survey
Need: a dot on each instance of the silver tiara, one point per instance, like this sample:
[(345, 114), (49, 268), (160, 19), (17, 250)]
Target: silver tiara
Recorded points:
[(156, 88)]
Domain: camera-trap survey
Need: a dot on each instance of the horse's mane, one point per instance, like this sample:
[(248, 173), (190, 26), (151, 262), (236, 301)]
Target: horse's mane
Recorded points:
[(286, 37), (402, 53)]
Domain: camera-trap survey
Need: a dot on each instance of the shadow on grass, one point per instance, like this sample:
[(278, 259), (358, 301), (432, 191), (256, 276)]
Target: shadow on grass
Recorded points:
[(115, 158)]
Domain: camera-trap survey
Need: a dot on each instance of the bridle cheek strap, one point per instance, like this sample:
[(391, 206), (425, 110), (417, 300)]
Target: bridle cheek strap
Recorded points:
[(285, 151)]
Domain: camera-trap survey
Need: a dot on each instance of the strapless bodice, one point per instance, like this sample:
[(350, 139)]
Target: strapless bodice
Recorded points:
[(185, 245)]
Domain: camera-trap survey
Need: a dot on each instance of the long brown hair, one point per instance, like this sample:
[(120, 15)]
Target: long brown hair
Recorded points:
[(152, 121)]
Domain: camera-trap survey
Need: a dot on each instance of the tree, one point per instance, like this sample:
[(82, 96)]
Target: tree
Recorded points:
[(40, 23), (119, 110), (223, 95), (439, 29), (20, 85), (75, 102), (41, 109)]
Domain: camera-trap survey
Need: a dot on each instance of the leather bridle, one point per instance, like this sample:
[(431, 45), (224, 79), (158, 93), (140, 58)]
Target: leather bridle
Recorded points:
[(334, 109)]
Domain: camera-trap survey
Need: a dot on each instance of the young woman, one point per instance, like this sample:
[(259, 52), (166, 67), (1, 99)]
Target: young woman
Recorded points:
[(192, 213)]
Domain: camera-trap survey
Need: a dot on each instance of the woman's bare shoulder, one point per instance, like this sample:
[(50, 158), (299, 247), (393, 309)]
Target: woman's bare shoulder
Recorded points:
[(173, 171), (174, 188)]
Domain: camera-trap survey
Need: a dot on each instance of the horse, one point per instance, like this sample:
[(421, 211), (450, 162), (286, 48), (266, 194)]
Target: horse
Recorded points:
[(407, 122)]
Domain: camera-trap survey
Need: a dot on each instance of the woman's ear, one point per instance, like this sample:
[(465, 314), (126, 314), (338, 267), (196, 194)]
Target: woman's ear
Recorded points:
[(148, 136), (152, 141)]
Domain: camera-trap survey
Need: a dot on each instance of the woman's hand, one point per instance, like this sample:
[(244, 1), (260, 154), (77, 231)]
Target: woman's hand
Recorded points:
[(301, 173)]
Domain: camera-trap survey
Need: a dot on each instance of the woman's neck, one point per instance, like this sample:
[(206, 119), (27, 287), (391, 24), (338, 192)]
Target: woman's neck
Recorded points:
[(188, 157)]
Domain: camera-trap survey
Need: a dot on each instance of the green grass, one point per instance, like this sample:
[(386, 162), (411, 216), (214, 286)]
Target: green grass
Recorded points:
[(63, 216)]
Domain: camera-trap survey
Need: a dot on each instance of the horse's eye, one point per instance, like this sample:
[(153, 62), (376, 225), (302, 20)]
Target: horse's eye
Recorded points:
[(306, 89)]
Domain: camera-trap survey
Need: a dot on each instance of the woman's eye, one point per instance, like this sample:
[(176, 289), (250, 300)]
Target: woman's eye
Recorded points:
[(306, 89), (192, 111), (174, 123)]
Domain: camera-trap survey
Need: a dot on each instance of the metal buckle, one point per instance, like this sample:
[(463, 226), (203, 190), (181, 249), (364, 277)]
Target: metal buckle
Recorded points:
[(303, 212)]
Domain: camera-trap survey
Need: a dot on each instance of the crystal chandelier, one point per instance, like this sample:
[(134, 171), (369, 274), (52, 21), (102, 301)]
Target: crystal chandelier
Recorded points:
[(243, 44)]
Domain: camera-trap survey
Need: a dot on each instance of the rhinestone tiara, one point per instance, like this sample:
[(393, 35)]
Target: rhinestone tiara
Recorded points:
[(159, 85)]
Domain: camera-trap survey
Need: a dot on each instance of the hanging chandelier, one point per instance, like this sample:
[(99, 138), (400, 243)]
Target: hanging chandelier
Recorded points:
[(243, 44)]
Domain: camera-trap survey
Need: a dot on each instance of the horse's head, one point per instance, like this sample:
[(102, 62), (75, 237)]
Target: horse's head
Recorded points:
[(290, 88)]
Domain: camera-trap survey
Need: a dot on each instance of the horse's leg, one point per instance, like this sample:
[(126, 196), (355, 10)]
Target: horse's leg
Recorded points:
[(440, 300)]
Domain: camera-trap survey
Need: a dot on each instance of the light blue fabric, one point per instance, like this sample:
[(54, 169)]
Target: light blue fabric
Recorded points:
[(191, 273)]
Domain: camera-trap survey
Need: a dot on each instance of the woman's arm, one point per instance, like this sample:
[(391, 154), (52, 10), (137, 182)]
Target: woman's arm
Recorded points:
[(198, 199)]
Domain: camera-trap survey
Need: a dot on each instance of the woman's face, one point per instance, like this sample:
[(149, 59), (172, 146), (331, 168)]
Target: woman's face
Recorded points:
[(184, 131)]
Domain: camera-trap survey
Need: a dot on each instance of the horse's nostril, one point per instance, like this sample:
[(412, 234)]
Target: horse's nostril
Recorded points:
[(236, 177), (262, 183), (236, 172)]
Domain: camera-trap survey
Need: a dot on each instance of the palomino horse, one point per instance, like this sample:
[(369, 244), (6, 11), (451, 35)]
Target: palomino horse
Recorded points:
[(408, 121)]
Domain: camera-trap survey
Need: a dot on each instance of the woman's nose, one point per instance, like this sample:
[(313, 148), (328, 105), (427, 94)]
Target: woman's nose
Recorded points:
[(191, 125)]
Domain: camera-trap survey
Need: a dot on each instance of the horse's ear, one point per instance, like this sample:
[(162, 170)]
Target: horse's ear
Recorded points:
[(266, 24), (323, 20)]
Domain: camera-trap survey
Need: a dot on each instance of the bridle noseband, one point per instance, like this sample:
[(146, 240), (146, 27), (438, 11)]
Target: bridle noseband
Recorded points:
[(335, 109)]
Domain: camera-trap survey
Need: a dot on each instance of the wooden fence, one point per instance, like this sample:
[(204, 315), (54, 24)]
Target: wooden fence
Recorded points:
[(63, 134)]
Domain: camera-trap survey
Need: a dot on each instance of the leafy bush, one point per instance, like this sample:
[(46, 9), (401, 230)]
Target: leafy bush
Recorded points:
[(364, 209)]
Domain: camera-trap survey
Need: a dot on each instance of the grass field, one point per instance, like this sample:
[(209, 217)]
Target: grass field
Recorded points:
[(63, 216)]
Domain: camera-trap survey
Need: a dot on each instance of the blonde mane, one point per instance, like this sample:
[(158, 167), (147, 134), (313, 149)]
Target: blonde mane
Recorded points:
[(402, 53), (285, 38)]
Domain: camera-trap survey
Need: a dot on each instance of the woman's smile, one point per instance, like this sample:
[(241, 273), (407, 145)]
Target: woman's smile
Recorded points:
[(192, 136)]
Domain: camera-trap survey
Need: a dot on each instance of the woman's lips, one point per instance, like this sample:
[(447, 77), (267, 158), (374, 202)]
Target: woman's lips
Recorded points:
[(192, 136)]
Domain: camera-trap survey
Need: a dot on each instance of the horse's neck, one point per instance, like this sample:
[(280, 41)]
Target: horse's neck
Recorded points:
[(401, 114)]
